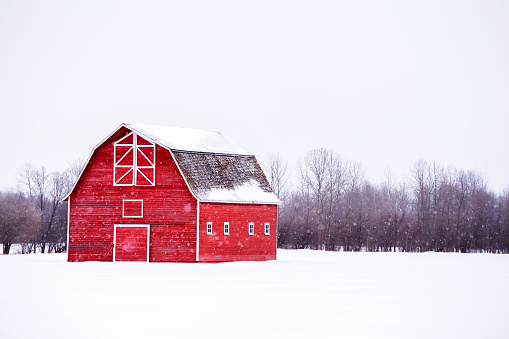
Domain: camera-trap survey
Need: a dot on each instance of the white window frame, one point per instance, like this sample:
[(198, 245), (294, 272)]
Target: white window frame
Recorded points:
[(209, 227), (132, 216), (266, 228), (251, 228), (139, 148), (116, 163), (134, 168), (226, 228)]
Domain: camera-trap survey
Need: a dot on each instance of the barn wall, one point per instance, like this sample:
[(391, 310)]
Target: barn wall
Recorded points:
[(238, 245), (96, 206)]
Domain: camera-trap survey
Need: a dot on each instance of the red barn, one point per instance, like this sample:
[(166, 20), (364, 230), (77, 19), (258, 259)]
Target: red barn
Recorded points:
[(154, 193)]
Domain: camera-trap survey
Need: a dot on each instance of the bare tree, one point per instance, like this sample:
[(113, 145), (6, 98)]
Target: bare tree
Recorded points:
[(325, 178), (314, 178), (437, 210), (278, 174), (19, 220), (46, 191)]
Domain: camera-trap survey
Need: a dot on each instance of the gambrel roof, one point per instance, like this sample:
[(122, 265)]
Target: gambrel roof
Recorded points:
[(214, 168), (186, 139)]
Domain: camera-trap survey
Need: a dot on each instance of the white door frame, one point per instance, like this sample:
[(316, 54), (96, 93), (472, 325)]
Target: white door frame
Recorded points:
[(130, 225)]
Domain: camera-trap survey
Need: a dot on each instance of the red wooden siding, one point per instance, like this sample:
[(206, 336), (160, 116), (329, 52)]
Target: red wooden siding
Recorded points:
[(173, 242), (133, 208), (238, 245), (131, 243), (96, 206)]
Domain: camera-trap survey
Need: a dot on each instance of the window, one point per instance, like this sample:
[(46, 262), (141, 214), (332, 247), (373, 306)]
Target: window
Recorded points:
[(133, 161), (209, 228), (267, 228), (226, 228), (251, 228), (132, 208)]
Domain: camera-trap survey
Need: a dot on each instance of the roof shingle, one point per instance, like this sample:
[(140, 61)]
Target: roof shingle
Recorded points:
[(225, 178)]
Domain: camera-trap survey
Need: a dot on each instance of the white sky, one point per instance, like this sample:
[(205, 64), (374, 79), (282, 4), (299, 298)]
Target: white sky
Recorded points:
[(380, 82)]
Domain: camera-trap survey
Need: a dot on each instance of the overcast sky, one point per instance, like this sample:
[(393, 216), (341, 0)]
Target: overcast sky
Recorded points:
[(380, 82)]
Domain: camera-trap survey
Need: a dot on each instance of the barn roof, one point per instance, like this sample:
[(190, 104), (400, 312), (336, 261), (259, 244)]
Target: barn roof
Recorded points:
[(225, 178), (186, 139), (214, 168)]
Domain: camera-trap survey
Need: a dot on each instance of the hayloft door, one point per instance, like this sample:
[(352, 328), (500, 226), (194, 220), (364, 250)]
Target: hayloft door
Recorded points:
[(131, 242)]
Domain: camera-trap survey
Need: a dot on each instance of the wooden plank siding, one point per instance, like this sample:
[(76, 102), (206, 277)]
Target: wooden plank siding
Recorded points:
[(96, 205), (238, 245), (131, 243)]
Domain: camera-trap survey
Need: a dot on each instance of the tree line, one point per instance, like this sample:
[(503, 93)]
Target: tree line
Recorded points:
[(333, 207), (34, 215)]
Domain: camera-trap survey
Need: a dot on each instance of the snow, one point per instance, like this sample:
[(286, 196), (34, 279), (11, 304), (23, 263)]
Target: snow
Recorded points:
[(249, 192), (186, 139), (304, 294)]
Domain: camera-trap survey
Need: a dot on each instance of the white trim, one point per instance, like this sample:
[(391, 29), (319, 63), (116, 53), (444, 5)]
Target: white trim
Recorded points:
[(209, 223), (122, 177), (197, 231), (126, 153), (266, 227), (250, 228), (68, 223), (118, 141), (143, 153), (226, 228), (131, 225), (132, 216), (132, 150), (136, 170)]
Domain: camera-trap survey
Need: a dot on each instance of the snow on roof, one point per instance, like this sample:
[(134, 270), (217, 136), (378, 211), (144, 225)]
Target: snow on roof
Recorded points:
[(248, 192), (225, 178), (186, 139)]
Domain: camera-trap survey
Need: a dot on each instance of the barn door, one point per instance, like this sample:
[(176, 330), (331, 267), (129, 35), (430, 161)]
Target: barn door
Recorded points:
[(131, 242)]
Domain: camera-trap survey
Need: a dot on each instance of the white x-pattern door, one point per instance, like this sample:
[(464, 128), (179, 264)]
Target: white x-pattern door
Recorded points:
[(134, 161)]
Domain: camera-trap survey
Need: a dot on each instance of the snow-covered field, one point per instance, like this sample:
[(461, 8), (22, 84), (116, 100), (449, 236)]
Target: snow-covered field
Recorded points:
[(304, 294)]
